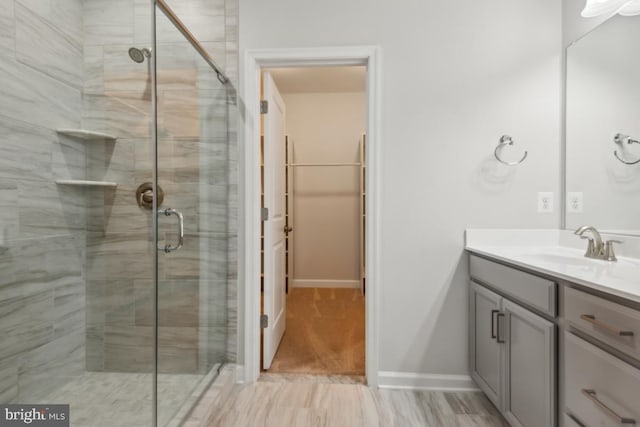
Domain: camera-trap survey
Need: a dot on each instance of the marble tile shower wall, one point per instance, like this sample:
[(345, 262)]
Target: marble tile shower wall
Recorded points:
[(197, 170), (45, 235), (42, 225)]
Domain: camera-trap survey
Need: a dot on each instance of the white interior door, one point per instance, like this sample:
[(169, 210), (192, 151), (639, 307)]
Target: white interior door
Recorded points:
[(274, 226)]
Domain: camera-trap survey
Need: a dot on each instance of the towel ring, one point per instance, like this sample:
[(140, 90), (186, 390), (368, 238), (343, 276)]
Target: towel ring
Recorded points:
[(621, 139), (507, 140)]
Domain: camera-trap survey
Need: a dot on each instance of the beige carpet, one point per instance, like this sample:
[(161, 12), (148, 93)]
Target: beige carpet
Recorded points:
[(325, 333)]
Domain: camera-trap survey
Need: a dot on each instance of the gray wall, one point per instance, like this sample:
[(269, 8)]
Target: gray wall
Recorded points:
[(455, 76), (574, 25), (42, 286)]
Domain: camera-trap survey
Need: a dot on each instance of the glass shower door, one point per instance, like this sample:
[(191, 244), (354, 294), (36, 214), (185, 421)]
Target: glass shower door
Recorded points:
[(102, 104), (192, 174)]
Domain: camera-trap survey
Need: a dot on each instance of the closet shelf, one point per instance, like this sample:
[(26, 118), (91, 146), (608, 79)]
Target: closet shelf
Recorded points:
[(82, 183), (87, 135), (325, 164)]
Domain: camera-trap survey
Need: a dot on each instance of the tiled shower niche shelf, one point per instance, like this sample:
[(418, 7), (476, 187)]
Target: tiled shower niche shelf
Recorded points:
[(87, 135), (82, 183)]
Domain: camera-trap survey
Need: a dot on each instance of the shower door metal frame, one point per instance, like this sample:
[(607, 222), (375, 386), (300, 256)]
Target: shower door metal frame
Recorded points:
[(222, 77), (170, 14), (249, 241), (154, 209)]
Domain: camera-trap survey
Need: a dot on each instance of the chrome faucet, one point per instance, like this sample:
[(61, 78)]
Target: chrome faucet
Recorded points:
[(596, 248)]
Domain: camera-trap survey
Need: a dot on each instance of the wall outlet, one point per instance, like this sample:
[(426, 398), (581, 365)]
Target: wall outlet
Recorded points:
[(545, 202), (574, 202)]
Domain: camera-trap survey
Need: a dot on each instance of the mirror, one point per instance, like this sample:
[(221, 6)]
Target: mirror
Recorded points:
[(603, 128)]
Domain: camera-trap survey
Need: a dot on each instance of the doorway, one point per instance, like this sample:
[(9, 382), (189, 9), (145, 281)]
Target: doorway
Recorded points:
[(254, 61), (313, 184)]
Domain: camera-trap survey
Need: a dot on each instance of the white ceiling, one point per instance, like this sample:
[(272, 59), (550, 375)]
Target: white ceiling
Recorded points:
[(320, 79)]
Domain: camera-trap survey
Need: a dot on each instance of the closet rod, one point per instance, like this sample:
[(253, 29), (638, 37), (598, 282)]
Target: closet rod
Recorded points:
[(325, 164)]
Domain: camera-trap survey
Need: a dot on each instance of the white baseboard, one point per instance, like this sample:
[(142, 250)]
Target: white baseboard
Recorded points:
[(240, 374), (304, 283), (416, 381)]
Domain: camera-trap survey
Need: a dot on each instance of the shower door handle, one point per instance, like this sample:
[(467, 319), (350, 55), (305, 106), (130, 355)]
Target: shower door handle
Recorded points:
[(168, 212)]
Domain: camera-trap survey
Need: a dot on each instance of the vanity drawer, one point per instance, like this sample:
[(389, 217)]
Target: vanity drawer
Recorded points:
[(612, 323), (535, 291), (600, 389)]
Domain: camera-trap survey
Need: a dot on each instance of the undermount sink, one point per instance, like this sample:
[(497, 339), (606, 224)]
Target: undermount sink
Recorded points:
[(574, 261), (558, 255), (565, 259)]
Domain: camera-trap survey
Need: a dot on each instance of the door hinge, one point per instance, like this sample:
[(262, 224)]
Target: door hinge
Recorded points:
[(264, 214), (264, 107), (264, 321)]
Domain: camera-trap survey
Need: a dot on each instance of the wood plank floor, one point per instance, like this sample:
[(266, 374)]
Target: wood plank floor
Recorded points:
[(316, 378), (325, 333), (301, 404)]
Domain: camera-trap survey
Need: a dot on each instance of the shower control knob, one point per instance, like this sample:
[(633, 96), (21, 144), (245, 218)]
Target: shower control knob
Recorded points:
[(145, 195)]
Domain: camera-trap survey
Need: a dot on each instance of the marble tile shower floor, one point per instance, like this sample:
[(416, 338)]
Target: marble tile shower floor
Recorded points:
[(113, 399)]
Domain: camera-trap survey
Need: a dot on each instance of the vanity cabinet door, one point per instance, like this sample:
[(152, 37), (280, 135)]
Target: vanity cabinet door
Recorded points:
[(529, 368), (485, 351)]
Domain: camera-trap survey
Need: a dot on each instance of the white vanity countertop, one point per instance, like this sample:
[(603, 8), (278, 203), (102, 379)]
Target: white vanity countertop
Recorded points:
[(547, 252)]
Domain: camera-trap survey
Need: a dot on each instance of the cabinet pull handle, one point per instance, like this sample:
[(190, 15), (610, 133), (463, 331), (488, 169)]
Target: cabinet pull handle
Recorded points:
[(592, 396), (498, 339), (601, 325), (493, 323)]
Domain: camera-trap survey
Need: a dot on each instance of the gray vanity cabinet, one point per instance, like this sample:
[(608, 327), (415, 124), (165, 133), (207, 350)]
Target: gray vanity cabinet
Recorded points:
[(512, 348), (485, 349), (601, 364), (529, 367)]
